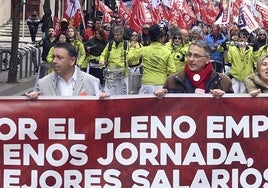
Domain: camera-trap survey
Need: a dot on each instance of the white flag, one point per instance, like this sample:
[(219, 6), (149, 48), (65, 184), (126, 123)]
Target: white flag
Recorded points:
[(251, 23)]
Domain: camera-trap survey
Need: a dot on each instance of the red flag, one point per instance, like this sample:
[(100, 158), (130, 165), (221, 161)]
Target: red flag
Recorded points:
[(234, 12), (155, 16), (235, 8), (259, 21), (202, 9), (263, 10), (123, 11), (137, 16), (100, 6), (56, 24), (176, 17), (187, 14), (209, 12), (182, 15), (196, 7), (72, 12), (165, 12)]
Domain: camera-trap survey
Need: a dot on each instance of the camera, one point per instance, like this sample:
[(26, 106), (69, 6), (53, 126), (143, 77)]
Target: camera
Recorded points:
[(181, 58)]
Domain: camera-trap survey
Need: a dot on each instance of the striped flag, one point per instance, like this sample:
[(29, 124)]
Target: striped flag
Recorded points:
[(246, 20), (73, 12)]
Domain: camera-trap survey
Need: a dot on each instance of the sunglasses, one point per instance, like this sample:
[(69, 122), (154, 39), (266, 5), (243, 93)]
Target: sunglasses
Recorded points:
[(262, 34), (134, 35), (178, 38)]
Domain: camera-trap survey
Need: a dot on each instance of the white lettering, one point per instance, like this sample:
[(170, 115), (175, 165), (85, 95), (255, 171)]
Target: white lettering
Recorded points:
[(58, 130)]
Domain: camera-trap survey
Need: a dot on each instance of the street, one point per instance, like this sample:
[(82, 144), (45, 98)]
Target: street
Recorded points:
[(25, 83)]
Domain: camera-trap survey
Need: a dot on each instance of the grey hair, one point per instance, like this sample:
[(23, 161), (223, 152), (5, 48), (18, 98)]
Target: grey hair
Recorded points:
[(197, 30), (118, 29), (202, 44)]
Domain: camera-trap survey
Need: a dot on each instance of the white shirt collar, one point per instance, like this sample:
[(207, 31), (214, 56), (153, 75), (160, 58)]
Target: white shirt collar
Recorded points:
[(67, 88)]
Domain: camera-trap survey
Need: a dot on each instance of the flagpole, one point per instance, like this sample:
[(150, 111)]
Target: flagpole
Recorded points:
[(94, 10), (72, 11), (85, 6)]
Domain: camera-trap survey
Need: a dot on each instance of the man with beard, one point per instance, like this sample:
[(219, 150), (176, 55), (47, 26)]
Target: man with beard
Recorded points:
[(114, 59)]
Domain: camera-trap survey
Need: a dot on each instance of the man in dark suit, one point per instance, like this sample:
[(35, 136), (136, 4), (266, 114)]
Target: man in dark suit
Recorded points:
[(67, 79)]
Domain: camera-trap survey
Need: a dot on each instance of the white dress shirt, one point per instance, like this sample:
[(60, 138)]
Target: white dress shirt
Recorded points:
[(67, 88)]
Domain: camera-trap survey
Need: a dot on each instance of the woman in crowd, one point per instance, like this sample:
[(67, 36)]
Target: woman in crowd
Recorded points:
[(135, 71), (135, 44), (62, 38), (258, 82), (241, 58), (196, 33), (94, 48), (178, 50), (76, 40)]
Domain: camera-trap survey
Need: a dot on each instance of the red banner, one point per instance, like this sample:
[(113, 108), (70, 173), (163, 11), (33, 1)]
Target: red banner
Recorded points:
[(263, 10), (123, 11), (179, 141)]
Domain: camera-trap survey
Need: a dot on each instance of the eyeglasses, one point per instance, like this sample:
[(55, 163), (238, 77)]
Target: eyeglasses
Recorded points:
[(195, 56), (178, 38), (134, 35)]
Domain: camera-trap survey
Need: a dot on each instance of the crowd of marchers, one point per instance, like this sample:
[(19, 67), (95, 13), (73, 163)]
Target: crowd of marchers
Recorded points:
[(158, 59)]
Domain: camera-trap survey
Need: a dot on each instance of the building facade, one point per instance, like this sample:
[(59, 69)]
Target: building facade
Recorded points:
[(57, 7)]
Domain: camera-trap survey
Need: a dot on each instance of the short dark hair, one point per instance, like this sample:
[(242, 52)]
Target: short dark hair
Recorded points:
[(67, 46), (202, 44)]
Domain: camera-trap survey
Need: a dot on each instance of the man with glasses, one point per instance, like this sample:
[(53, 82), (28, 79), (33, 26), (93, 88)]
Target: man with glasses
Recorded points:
[(198, 75)]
